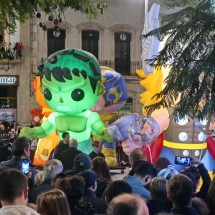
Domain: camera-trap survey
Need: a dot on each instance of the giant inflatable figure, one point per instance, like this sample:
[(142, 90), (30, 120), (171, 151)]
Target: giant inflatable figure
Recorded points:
[(71, 85), (113, 98), (184, 137)]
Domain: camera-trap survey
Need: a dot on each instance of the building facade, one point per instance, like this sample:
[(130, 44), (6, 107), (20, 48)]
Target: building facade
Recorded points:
[(114, 39)]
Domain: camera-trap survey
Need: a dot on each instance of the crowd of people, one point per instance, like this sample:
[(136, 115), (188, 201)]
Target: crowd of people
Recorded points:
[(75, 183)]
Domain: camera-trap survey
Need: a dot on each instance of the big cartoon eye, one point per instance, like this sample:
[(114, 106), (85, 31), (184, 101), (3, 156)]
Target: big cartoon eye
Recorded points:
[(77, 94), (47, 94)]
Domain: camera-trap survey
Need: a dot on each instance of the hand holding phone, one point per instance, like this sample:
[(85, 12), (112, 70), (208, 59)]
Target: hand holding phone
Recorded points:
[(184, 161), (25, 166)]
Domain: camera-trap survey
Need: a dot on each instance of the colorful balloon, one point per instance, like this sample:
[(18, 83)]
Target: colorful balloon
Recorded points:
[(143, 130), (71, 84)]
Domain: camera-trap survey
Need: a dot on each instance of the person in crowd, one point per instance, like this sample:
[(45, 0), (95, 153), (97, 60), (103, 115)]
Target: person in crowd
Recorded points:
[(20, 151), (140, 181), (162, 163), (67, 157), (5, 150), (116, 188), (14, 193), (200, 206), (90, 189), (73, 187), (82, 162), (97, 147), (158, 196), (180, 192), (122, 158), (2, 131), (6, 124), (53, 202), (50, 170), (136, 157), (12, 135), (194, 172), (62, 145), (33, 148), (39, 178), (127, 204), (210, 199), (100, 166)]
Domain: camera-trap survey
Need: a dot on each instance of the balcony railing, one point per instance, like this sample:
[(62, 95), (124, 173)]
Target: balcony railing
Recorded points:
[(126, 69)]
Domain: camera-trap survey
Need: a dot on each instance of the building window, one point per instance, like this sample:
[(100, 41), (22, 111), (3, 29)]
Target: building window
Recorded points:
[(8, 97), (127, 108), (90, 42), (56, 40), (122, 52)]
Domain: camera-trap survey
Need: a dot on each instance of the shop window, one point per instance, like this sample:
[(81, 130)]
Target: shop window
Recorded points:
[(56, 40), (90, 42), (122, 52), (127, 108), (8, 97)]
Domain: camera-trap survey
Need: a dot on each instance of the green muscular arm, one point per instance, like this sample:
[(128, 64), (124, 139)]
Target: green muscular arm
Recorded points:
[(98, 128), (38, 132)]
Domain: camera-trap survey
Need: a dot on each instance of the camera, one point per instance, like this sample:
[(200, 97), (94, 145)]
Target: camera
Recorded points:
[(184, 161), (25, 166)]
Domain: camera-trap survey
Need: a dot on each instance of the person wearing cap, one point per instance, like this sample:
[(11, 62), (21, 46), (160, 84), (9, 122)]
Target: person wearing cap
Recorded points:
[(68, 156), (82, 162), (141, 179), (91, 178)]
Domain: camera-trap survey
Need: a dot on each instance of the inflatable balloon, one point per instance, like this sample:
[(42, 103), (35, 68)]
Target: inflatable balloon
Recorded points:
[(143, 130), (71, 85), (119, 131), (114, 87), (183, 136), (113, 98)]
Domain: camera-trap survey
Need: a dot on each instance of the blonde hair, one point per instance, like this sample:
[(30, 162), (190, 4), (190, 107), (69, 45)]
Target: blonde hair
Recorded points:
[(53, 202), (39, 178)]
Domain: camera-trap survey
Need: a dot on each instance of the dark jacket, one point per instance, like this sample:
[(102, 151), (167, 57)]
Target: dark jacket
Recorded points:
[(37, 190), (157, 206), (184, 211), (206, 180), (67, 157), (98, 203), (60, 148), (93, 155)]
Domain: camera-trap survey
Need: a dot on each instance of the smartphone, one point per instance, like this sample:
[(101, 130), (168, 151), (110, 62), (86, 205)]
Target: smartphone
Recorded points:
[(25, 166), (184, 161)]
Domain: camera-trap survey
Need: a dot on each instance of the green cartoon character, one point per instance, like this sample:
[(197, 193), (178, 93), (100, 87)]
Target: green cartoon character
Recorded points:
[(71, 85)]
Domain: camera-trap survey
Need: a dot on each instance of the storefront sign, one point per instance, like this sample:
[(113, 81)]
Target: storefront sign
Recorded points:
[(9, 80)]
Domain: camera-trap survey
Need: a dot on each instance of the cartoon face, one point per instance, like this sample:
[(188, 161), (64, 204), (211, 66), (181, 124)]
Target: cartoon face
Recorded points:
[(70, 97), (71, 81)]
